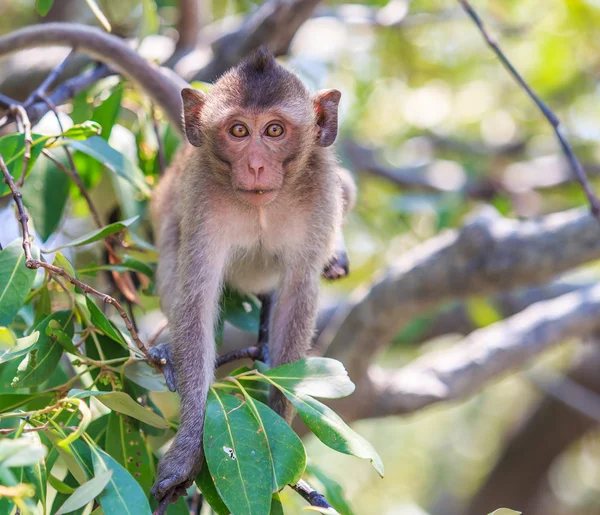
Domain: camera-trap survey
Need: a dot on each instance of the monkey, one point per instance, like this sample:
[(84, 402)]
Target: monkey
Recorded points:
[(255, 201)]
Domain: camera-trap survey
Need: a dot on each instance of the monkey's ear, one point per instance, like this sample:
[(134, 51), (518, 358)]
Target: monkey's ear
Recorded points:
[(193, 102), (326, 105)]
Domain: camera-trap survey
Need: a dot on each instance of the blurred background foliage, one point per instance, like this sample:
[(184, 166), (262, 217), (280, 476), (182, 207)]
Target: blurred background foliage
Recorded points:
[(421, 90)]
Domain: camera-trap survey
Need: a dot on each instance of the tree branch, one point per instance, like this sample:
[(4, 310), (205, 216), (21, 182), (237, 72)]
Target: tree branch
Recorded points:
[(487, 255), (311, 496), (164, 89), (485, 354)]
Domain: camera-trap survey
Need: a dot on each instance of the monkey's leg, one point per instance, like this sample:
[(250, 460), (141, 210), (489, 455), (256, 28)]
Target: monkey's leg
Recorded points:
[(293, 325), (193, 351), (266, 304)]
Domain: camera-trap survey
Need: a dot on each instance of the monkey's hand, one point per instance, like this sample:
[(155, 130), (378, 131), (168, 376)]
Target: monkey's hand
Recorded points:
[(337, 267), (177, 470), (161, 355)]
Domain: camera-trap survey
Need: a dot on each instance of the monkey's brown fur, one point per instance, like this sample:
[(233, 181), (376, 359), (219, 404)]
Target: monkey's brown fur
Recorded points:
[(257, 214)]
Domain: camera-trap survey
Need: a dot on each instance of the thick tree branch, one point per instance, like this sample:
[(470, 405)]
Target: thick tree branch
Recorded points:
[(164, 89), (487, 255), (486, 354)]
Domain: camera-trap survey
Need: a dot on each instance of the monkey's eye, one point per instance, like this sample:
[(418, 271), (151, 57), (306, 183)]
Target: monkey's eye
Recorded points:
[(274, 130), (239, 130)]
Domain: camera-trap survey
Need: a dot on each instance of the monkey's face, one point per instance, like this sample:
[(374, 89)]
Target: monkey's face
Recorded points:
[(258, 148)]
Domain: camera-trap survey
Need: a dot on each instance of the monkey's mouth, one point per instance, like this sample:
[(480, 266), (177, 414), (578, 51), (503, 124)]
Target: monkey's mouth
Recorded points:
[(256, 196)]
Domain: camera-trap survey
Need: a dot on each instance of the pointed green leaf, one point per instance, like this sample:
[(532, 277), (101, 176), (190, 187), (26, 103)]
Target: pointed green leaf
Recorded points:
[(127, 444), (332, 430), (10, 401), (43, 357), (123, 494), (128, 264), (104, 324), (12, 149), (146, 376), (333, 491), (117, 163), (237, 455), (107, 112), (82, 131), (318, 377), (86, 492), (96, 235), (43, 6), (122, 403), (16, 280), (276, 506), (21, 452), (20, 349), (205, 483), (76, 456)]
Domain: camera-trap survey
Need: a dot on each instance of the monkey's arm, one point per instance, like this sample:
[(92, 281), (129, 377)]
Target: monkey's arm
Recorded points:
[(191, 321)]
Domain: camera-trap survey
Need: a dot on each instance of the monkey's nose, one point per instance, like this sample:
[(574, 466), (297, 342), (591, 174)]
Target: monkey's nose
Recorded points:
[(256, 170)]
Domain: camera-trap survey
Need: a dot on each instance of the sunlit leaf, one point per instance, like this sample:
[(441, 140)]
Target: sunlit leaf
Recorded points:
[(318, 377), (122, 494), (107, 112), (82, 131), (237, 455), (122, 403), (21, 452), (43, 357), (20, 349), (116, 162), (12, 149), (16, 280), (86, 492), (96, 235)]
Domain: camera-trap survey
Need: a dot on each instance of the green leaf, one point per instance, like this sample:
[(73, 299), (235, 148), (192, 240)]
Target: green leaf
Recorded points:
[(237, 455), (96, 235), (286, 451), (43, 357), (318, 377), (45, 195), (276, 506), (505, 511), (16, 280), (123, 403), (75, 455), (54, 331), (122, 495), (333, 491), (62, 262), (86, 493), (60, 486), (205, 483), (12, 148), (332, 430), (83, 131), (10, 401), (36, 475), (127, 444), (21, 452), (146, 376), (117, 163), (20, 349), (128, 264), (107, 112), (241, 311), (43, 6), (104, 324)]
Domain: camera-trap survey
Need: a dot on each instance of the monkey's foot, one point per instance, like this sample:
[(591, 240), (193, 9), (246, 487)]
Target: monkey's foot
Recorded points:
[(338, 266), (176, 472), (161, 355)]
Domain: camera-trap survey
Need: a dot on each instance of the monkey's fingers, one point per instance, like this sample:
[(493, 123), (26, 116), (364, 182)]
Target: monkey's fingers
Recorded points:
[(338, 266), (161, 354)]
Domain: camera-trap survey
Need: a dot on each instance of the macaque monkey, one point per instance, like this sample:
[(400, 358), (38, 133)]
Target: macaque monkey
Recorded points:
[(256, 201)]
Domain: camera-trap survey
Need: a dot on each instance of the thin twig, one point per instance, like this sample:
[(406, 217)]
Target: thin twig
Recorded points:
[(255, 353), (21, 115), (311, 496), (578, 170), (34, 264), (42, 89)]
